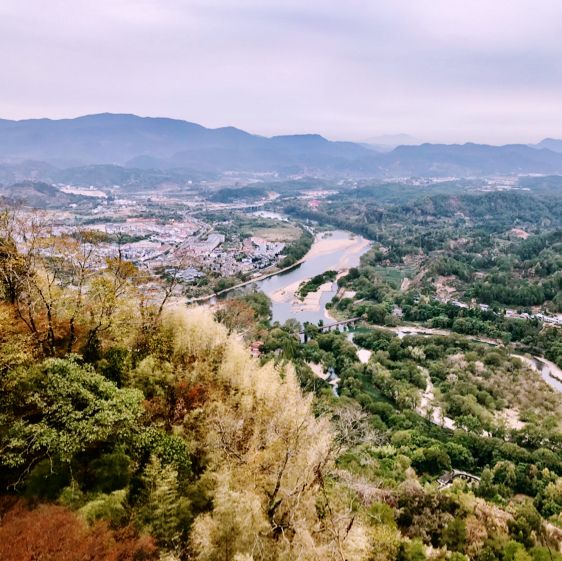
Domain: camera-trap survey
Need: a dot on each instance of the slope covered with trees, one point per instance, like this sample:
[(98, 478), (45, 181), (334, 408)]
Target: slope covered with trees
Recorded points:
[(153, 423), (134, 429)]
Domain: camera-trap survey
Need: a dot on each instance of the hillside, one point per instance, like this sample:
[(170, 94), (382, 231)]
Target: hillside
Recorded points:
[(37, 195), (30, 149)]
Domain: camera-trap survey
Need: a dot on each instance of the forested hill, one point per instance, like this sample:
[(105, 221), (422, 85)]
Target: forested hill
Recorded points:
[(509, 207), (363, 212)]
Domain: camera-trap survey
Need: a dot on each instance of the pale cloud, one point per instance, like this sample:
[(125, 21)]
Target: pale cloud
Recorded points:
[(443, 70)]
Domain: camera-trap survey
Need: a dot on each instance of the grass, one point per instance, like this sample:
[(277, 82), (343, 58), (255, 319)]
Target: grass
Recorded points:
[(394, 275), (278, 233)]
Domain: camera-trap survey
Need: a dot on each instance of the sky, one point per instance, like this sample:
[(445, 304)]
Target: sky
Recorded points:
[(439, 70)]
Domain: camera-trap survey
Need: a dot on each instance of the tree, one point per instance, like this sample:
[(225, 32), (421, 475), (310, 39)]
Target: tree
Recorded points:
[(107, 292), (59, 408), (526, 525), (424, 514), (236, 315), (165, 513), (17, 347), (54, 533), (13, 264), (59, 286), (550, 500), (352, 427), (433, 460), (454, 535), (411, 551)]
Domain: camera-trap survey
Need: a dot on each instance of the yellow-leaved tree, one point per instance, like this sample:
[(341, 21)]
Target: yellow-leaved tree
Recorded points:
[(267, 456)]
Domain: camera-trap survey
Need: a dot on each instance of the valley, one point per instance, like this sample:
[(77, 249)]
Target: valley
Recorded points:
[(194, 301), (281, 280)]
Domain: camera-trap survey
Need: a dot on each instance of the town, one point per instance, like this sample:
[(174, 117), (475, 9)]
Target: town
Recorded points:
[(202, 246)]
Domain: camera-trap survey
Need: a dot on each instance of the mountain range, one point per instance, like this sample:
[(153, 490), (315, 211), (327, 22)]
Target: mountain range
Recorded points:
[(51, 149)]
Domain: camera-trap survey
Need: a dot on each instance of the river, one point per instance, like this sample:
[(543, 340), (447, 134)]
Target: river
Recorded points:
[(335, 250), (339, 250)]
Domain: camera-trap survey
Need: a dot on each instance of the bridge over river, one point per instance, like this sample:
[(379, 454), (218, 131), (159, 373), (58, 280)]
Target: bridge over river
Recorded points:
[(329, 326)]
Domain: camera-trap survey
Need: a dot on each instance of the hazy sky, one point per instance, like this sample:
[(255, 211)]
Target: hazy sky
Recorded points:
[(441, 70)]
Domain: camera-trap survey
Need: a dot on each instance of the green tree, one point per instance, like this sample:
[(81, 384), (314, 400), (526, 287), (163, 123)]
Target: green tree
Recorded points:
[(411, 551), (60, 408), (454, 535), (525, 527), (550, 500), (165, 514)]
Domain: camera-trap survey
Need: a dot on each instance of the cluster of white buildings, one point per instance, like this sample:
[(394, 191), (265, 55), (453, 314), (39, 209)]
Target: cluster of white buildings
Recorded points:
[(166, 237), (551, 320), (251, 255)]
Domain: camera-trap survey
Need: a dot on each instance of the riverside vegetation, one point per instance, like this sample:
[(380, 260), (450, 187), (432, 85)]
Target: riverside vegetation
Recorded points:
[(131, 429), (496, 253)]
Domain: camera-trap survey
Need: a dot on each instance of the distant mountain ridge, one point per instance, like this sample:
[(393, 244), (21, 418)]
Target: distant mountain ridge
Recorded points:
[(553, 144), (151, 143), (129, 140), (472, 159)]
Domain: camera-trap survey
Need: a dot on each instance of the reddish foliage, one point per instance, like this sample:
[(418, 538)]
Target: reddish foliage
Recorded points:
[(187, 398), (54, 533), (156, 408)]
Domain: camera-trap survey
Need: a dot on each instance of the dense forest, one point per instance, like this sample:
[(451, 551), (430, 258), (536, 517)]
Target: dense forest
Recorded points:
[(134, 429)]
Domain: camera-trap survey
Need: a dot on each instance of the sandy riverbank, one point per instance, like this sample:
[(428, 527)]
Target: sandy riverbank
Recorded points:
[(310, 303), (326, 244), (286, 293), (323, 245)]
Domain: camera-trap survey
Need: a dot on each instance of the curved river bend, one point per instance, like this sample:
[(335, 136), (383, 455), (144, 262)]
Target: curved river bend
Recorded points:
[(335, 250)]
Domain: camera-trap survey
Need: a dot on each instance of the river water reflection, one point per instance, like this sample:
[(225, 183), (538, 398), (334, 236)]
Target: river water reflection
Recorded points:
[(335, 250)]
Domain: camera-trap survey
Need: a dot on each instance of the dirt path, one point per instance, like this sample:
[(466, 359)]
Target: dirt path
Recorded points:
[(428, 409)]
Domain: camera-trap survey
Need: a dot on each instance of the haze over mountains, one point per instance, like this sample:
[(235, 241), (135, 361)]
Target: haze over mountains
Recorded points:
[(141, 143), (387, 142)]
